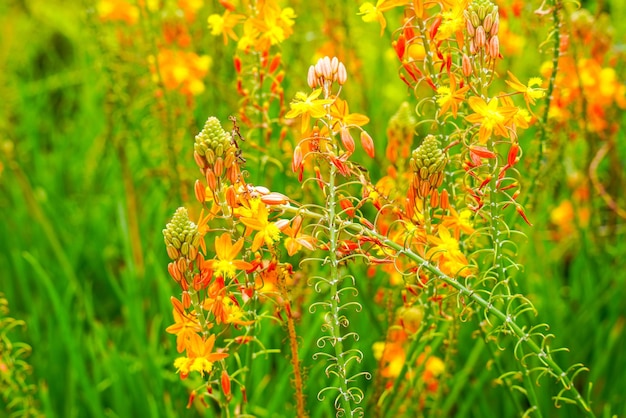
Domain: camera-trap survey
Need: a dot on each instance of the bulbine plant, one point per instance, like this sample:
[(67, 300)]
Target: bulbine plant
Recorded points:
[(438, 233)]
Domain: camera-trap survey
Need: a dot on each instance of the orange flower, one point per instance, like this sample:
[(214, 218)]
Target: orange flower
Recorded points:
[(200, 356), (181, 70), (117, 10), (491, 118), (184, 328), (226, 266), (340, 112), (295, 239)]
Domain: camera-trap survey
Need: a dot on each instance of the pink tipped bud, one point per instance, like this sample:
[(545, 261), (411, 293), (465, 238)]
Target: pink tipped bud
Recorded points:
[(480, 37), (347, 140), (496, 25), (282, 224), (311, 77), (334, 65), (296, 163), (488, 22), (494, 47), (466, 65), (342, 74), (274, 198), (327, 69), (470, 28), (368, 144)]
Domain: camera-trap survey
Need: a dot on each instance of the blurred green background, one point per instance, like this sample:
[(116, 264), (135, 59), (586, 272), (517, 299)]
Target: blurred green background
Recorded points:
[(94, 160)]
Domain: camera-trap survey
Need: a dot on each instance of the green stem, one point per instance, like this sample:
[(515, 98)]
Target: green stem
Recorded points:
[(543, 123), (335, 280)]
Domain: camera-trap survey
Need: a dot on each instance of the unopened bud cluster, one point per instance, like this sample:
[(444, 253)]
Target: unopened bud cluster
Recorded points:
[(326, 70), (427, 163), (216, 153), (181, 236), (482, 23)]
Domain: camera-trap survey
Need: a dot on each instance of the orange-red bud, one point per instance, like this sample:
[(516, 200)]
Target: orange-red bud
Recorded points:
[(237, 64), (192, 396), (211, 180), (275, 63), (400, 46), (200, 191), (347, 140), (368, 144), (445, 200), (512, 156), (347, 206), (225, 380)]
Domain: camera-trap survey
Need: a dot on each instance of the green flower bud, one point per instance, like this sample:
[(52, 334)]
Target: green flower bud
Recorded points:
[(181, 235)]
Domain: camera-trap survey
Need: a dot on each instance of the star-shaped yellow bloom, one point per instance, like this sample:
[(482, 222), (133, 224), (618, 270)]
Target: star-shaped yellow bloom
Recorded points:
[(492, 119), (307, 107)]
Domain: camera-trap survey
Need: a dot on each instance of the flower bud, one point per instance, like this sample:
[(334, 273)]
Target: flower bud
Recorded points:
[(347, 140), (466, 65), (368, 144)]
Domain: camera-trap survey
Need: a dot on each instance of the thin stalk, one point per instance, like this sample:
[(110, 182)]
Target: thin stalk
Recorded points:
[(335, 280), (543, 123)]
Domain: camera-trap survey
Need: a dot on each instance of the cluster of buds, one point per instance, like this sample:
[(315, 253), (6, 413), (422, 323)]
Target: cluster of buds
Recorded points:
[(326, 71), (217, 154), (482, 22), (427, 163), (181, 236), (400, 131)]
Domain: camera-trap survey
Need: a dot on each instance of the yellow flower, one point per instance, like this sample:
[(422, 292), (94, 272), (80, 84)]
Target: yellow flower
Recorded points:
[(445, 251), (452, 20), (223, 25), (307, 107), (371, 13), (450, 97), (491, 118), (255, 217), (530, 93)]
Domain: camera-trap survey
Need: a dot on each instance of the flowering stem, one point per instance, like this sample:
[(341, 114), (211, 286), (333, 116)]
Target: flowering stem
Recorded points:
[(508, 321)]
